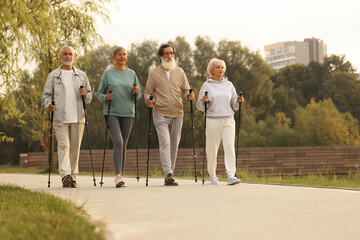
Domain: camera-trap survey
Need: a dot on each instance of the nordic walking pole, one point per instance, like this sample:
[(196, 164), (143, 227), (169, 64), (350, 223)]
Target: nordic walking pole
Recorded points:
[(237, 132), (136, 137), (206, 103), (148, 153), (106, 130), (51, 136), (88, 137), (193, 136)]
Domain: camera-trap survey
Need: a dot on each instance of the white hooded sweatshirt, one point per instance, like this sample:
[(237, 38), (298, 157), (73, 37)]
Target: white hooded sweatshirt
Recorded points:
[(222, 98)]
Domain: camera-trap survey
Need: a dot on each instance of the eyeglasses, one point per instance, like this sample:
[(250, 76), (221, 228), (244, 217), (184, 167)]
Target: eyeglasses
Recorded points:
[(168, 53)]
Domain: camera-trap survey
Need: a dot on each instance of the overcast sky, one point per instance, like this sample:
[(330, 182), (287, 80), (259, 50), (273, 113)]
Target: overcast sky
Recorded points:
[(253, 22)]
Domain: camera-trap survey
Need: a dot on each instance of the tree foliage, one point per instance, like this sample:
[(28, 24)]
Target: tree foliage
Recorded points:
[(321, 124), (34, 31)]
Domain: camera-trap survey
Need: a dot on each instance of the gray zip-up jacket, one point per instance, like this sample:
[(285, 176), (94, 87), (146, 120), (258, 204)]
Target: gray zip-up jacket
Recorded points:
[(55, 90)]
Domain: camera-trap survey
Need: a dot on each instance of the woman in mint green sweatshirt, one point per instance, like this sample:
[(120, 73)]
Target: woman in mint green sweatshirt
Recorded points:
[(120, 80)]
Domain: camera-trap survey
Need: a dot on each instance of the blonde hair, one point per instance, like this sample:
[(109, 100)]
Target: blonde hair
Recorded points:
[(212, 64)]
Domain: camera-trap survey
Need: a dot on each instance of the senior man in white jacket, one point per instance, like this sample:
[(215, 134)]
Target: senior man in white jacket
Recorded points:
[(63, 87)]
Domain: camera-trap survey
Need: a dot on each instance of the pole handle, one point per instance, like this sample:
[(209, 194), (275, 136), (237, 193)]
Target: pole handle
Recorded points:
[(241, 93), (52, 113), (111, 91), (83, 98)]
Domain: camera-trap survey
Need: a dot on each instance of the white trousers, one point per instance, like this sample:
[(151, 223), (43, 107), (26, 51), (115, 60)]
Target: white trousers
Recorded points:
[(218, 129), (69, 136)]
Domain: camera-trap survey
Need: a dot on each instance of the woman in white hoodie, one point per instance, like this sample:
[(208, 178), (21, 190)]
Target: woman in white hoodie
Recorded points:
[(220, 124)]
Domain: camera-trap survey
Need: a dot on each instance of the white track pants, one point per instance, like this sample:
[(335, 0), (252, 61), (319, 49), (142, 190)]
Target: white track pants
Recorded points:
[(218, 129)]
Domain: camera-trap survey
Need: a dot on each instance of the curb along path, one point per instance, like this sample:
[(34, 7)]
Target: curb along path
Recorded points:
[(194, 211)]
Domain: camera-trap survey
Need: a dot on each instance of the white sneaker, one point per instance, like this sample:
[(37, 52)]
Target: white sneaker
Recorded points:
[(214, 180), (233, 181), (119, 181)]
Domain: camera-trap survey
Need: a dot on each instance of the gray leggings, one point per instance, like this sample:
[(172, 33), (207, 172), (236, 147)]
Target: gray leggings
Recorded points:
[(120, 128)]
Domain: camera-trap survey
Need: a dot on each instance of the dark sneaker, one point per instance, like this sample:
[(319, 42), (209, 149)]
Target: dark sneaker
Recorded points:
[(170, 181), (66, 181), (172, 184), (73, 184)]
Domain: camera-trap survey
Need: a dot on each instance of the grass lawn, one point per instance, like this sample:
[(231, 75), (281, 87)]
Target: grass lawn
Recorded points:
[(25, 214), (315, 180)]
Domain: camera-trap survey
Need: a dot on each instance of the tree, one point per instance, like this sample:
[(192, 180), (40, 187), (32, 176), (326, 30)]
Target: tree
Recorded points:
[(321, 124), (314, 84), (286, 101), (343, 88), (270, 132), (203, 53), (335, 63), (36, 30)]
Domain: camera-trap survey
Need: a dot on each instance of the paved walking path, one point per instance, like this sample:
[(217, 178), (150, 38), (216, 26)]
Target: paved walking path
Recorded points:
[(193, 211)]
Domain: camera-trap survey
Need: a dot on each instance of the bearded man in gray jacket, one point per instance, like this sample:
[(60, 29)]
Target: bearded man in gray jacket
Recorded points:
[(63, 87)]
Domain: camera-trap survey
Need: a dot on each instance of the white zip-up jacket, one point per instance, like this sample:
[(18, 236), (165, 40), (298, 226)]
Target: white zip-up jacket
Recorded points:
[(55, 90), (222, 98)]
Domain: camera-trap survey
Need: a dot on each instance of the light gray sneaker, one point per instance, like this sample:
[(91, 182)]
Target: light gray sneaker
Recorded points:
[(233, 181), (214, 180), (119, 181)]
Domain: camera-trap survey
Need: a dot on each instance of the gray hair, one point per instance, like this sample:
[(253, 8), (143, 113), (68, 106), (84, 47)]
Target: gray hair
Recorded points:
[(66, 46), (214, 62), (116, 50)]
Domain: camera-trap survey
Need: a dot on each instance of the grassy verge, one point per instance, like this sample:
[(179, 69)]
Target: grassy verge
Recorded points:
[(323, 179), (17, 169), (33, 215)]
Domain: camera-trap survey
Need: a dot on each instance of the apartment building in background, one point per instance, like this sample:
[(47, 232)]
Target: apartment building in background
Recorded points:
[(280, 54)]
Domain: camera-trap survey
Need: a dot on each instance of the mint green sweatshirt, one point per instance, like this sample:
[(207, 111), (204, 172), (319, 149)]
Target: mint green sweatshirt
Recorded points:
[(120, 82)]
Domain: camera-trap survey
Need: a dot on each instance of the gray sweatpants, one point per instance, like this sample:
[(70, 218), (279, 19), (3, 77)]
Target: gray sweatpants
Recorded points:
[(120, 128), (169, 132)]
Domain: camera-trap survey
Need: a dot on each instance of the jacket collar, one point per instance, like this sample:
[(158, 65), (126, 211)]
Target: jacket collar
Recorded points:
[(57, 72)]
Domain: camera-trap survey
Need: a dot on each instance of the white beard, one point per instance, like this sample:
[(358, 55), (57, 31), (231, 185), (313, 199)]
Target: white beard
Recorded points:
[(168, 65), (67, 63)]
